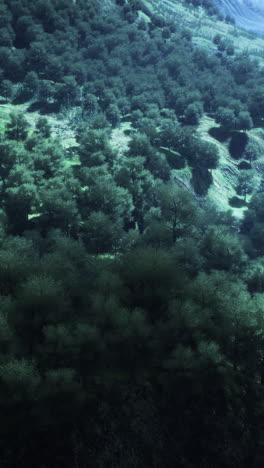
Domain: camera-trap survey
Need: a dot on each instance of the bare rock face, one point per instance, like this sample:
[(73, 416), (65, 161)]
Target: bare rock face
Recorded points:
[(248, 14)]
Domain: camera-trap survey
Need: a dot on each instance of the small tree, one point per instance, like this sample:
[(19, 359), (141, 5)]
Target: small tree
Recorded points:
[(217, 39), (244, 121), (29, 89), (31, 84), (178, 211), (6, 89), (46, 91), (193, 113), (93, 142), (113, 114), (17, 128), (246, 183), (226, 118), (100, 234), (43, 127)]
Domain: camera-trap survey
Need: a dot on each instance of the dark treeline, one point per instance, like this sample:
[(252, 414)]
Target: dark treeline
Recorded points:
[(131, 318)]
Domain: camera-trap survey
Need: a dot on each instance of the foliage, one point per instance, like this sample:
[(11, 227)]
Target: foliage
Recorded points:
[(131, 317), (16, 129)]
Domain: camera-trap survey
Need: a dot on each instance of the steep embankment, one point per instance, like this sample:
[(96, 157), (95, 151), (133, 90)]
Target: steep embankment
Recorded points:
[(248, 14)]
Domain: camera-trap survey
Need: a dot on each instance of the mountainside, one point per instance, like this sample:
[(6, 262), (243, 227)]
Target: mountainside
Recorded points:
[(248, 14), (131, 297), (204, 29)]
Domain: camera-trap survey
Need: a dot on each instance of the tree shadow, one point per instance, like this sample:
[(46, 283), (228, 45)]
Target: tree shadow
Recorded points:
[(245, 165), (44, 108), (219, 133), (201, 180), (237, 202), (35, 106), (237, 144), (258, 122), (50, 108)]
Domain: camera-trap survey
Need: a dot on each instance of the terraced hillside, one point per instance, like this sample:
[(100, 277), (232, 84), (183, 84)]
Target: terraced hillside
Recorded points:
[(249, 14), (204, 28)]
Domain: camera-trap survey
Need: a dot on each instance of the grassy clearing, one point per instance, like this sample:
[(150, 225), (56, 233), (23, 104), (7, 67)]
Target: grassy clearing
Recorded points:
[(75, 161), (119, 139), (60, 127)]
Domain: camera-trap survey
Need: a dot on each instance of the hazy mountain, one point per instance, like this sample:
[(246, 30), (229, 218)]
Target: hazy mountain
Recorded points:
[(249, 14)]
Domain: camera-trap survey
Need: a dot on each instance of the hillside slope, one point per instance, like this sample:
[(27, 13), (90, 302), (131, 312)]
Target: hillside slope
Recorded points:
[(204, 27), (131, 309), (248, 14), (69, 94)]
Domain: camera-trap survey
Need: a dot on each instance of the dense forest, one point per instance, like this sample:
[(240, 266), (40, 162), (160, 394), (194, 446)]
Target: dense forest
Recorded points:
[(131, 309)]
